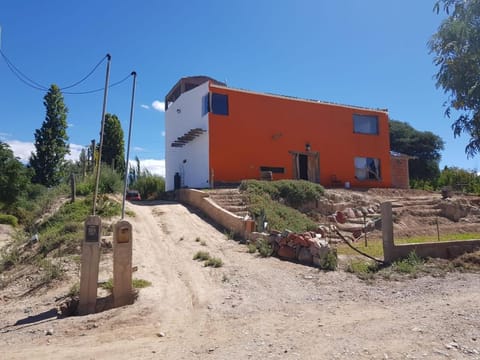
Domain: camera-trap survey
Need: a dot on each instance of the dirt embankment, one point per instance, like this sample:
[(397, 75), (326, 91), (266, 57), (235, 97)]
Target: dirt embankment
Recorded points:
[(251, 308)]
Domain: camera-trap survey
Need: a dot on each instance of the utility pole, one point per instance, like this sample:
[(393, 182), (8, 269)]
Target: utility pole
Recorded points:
[(105, 93), (134, 74)]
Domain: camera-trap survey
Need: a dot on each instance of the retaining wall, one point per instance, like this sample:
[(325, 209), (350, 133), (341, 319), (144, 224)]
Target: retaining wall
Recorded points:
[(201, 201), (443, 249)]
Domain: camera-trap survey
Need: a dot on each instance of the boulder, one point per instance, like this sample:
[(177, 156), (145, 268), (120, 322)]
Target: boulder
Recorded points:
[(286, 252), (304, 256)]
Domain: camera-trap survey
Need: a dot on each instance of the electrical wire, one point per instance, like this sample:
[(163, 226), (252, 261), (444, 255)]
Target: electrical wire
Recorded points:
[(86, 77), (21, 76), (99, 89), (33, 84)]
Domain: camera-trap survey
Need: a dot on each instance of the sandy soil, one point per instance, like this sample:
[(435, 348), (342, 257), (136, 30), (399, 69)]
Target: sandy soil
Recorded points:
[(251, 308)]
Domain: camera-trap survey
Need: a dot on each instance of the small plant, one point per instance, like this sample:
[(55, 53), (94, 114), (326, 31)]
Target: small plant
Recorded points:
[(329, 261), (409, 265), (214, 262), (363, 269), (107, 285), (201, 255), (74, 290), (230, 234), (51, 271), (252, 248), (264, 248), (130, 213), (197, 239), (140, 283), (8, 219)]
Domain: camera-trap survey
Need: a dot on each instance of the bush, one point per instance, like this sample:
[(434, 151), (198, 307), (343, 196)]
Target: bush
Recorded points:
[(329, 261), (264, 248), (265, 202), (150, 186), (8, 219), (201, 255), (363, 269), (214, 262), (294, 192), (409, 265)]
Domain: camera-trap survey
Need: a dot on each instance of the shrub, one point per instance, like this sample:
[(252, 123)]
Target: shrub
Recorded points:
[(8, 219), (409, 265), (363, 269), (214, 262), (329, 261), (201, 255), (264, 248), (150, 186), (140, 283), (51, 271), (265, 202), (252, 248)]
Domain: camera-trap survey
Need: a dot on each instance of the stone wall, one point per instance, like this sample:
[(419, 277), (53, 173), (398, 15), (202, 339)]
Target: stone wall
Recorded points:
[(200, 200)]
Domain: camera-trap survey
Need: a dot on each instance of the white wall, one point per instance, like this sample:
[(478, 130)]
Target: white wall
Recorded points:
[(182, 116)]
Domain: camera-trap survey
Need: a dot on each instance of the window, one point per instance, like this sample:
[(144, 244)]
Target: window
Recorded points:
[(367, 168), (219, 104), (205, 105), (273, 169), (365, 124)]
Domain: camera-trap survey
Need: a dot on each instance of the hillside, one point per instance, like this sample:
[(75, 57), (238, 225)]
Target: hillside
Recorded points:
[(251, 308)]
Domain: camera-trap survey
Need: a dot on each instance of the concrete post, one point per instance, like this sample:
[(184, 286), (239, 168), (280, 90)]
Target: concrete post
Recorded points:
[(122, 264), (89, 265), (387, 232)]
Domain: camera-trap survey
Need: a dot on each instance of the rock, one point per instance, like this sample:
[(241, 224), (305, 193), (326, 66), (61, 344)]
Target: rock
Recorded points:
[(161, 334), (49, 332), (340, 217), (286, 252), (304, 256), (349, 213)]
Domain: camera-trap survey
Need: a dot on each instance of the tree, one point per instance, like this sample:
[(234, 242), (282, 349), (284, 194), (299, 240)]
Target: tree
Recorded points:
[(113, 149), (14, 179), (456, 46), (51, 145), (423, 145)]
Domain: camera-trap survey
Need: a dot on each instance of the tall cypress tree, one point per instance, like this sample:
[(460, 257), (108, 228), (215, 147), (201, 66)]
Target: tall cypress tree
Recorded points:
[(113, 150), (51, 145)]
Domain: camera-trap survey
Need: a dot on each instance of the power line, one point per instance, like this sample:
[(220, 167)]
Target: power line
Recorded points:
[(35, 85), (99, 89)]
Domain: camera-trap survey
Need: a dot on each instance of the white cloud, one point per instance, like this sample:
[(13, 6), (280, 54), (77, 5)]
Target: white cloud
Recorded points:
[(23, 150), (145, 106), (138, 148), (74, 152), (158, 105), (156, 167), (163, 133)]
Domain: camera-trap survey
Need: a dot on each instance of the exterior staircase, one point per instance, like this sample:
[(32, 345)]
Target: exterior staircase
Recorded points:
[(231, 200)]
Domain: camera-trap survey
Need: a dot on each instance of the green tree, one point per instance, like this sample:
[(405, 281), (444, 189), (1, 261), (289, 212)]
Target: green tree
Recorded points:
[(51, 145), (425, 146), (113, 149), (456, 49), (14, 178)]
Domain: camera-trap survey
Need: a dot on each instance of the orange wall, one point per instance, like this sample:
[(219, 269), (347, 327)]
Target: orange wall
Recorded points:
[(260, 130)]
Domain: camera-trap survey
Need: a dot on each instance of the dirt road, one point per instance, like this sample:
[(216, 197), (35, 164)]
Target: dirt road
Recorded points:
[(251, 308)]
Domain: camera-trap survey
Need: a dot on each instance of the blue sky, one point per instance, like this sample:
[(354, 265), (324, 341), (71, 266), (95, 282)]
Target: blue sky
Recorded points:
[(368, 53)]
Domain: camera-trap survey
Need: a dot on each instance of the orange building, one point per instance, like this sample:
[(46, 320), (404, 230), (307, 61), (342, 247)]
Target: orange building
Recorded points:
[(216, 134)]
